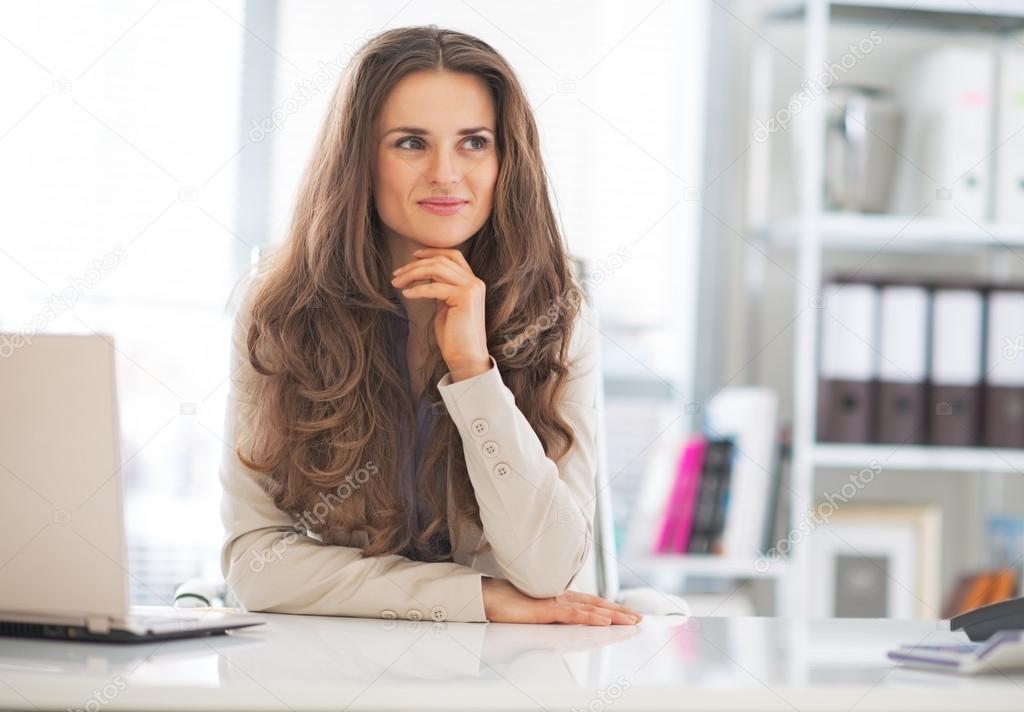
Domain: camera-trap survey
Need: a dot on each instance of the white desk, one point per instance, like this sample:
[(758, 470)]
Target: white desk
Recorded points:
[(306, 662)]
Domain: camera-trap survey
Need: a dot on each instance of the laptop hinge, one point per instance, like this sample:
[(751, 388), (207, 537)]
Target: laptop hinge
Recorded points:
[(97, 624)]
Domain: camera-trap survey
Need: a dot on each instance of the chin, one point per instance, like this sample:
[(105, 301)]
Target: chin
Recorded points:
[(444, 242)]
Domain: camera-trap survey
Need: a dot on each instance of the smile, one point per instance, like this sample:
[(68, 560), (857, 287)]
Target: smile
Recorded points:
[(442, 207)]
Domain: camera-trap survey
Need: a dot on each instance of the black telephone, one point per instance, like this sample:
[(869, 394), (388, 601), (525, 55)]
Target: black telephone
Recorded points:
[(981, 623)]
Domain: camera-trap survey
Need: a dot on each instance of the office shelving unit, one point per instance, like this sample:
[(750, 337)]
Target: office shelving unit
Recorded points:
[(896, 232), (707, 565), (812, 231)]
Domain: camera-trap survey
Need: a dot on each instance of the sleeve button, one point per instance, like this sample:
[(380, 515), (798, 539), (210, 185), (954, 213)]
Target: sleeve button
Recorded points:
[(479, 426), (490, 448), (501, 471), (389, 614), (414, 615), (438, 613)]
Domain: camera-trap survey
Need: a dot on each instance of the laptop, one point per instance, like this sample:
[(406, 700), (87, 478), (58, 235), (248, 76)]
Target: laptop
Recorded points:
[(63, 571)]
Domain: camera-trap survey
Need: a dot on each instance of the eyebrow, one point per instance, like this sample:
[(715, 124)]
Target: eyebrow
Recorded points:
[(424, 132)]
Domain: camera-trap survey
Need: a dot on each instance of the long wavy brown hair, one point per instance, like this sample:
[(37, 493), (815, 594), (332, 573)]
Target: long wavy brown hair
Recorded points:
[(328, 398)]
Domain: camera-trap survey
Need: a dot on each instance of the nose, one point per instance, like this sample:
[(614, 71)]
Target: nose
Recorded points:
[(443, 169)]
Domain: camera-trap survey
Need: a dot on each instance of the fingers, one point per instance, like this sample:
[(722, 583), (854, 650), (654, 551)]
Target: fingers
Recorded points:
[(442, 259), (581, 597), (444, 292), (579, 615), (617, 617), (596, 615), (451, 253), (439, 269), (459, 266)]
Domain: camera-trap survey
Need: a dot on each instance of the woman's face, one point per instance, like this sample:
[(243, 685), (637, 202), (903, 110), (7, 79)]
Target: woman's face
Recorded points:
[(436, 140)]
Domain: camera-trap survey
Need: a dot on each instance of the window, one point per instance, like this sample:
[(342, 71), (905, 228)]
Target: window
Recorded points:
[(119, 135)]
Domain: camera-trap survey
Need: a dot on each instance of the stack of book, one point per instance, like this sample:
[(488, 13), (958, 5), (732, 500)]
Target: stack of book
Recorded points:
[(695, 516), (716, 491)]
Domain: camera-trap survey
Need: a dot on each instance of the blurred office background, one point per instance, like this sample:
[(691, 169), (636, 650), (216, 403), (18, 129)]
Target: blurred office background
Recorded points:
[(801, 222)]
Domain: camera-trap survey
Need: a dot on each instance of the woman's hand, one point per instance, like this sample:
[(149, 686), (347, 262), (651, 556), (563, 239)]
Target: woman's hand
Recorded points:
[(459, 325), (504, 603)]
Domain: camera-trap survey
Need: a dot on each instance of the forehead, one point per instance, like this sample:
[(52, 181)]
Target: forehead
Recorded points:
[(439, 102)]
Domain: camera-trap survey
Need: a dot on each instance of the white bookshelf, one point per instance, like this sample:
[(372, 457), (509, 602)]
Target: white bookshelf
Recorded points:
[(942, 13), (920, 458), (708, 566), (852, 231), (811, 230)]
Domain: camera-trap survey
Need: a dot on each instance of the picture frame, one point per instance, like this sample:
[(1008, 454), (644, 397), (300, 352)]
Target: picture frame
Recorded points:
[(877, 562)]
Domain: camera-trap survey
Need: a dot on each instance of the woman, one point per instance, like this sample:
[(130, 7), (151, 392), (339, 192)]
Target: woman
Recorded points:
[(411, 426)]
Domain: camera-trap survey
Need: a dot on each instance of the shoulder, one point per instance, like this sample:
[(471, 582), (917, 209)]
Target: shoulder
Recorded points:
[(584, 356), (240, 301), (583, 337)]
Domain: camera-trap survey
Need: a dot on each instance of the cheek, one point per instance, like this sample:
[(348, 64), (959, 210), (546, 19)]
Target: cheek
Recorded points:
[(484, 179), (395, 180)]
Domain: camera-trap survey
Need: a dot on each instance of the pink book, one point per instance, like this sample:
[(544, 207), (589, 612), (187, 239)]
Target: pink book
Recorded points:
[(690, 471), (688, 468)]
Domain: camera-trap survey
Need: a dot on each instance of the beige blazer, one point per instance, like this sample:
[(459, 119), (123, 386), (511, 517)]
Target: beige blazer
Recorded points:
[(537, 513)]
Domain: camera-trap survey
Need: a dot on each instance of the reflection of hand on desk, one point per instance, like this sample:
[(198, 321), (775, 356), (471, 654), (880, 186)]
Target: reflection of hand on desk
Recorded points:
[(504, 641), (428, 650)]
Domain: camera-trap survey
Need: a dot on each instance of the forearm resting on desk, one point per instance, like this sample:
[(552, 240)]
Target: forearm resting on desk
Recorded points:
[(280, 571)]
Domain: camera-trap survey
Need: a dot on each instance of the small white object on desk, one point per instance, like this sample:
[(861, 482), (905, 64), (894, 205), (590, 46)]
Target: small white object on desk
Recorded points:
[(653, 602), (1003, 651)]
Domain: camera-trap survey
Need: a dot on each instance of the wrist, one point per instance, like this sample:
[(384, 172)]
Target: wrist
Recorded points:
[(461, 372)]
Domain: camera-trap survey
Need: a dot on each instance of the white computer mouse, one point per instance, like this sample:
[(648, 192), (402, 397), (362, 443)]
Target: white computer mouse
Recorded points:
[(654, 602)]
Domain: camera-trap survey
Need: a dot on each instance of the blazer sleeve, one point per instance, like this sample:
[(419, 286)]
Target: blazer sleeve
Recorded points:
[(272, 565), (537, 514)]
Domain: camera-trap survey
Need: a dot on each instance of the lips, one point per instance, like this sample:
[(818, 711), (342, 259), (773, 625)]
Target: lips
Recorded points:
[(444, 202), (443, 206)]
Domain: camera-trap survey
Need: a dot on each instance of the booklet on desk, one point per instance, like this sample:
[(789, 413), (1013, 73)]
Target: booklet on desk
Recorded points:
[(1003, 651)]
